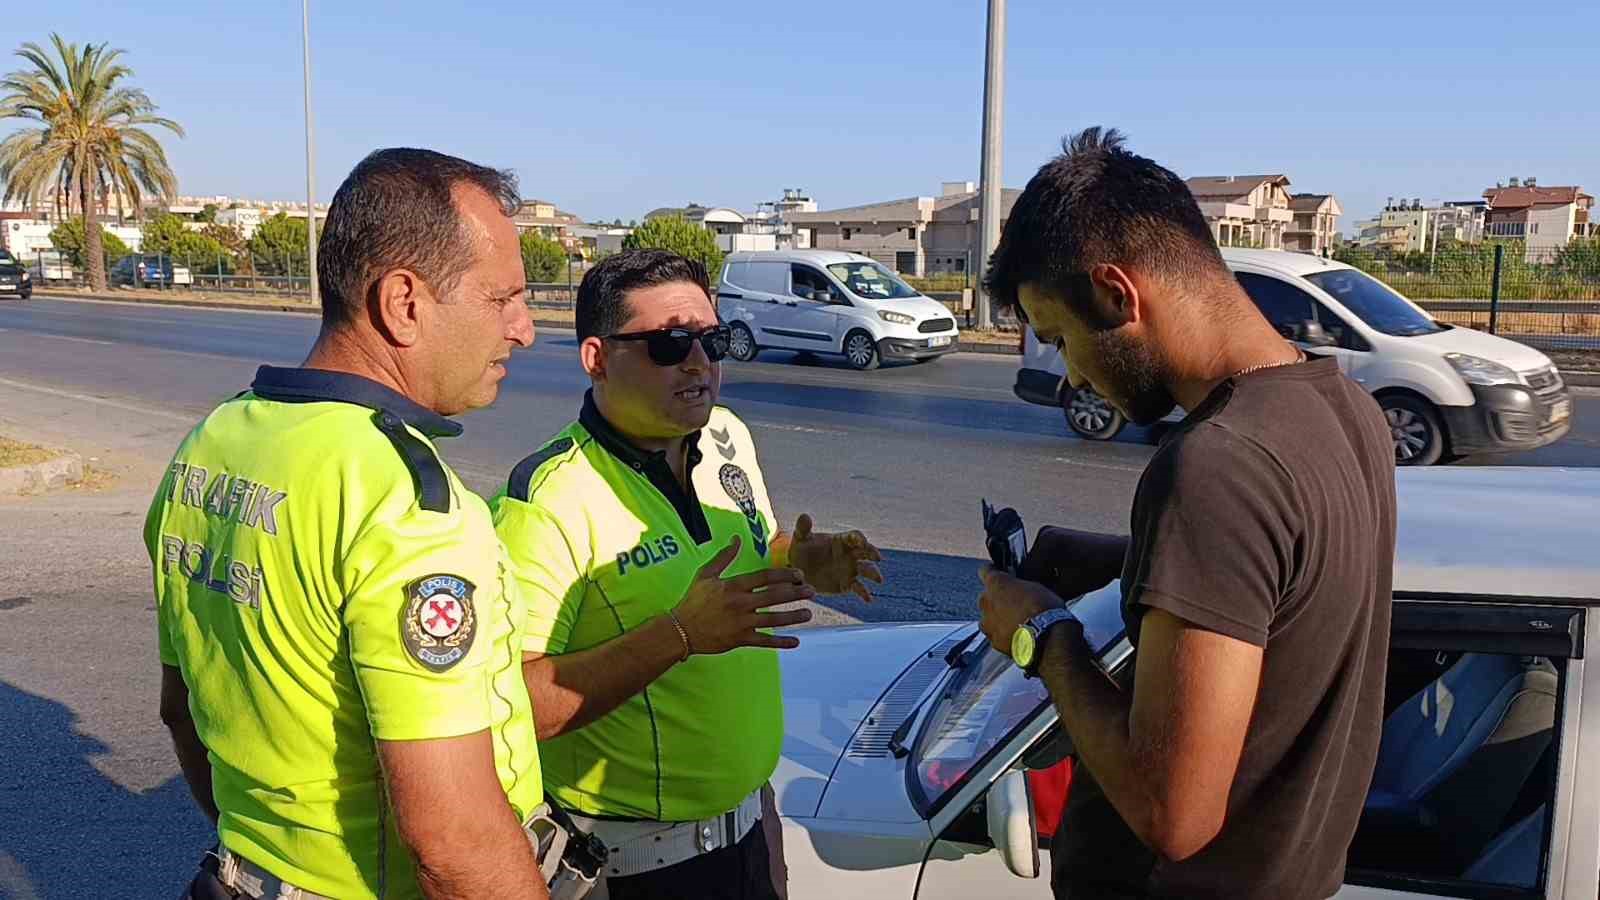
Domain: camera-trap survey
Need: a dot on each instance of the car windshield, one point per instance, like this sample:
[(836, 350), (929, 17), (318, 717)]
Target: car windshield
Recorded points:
[(1375, 303), (871, 281), (975, 713)]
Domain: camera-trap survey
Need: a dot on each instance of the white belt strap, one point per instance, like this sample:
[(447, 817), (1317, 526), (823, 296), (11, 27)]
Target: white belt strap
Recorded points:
[(239, 874), (639, 847)]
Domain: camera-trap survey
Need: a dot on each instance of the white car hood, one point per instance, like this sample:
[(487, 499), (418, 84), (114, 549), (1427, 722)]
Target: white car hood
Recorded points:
[(919, 308), (830, 683), (1519, 357)]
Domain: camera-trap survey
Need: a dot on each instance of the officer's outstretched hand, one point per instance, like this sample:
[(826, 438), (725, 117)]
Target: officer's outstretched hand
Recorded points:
[(835, 563), (722, 614)]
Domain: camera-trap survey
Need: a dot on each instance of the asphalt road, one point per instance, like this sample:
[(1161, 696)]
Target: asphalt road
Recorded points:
[(88, 790)]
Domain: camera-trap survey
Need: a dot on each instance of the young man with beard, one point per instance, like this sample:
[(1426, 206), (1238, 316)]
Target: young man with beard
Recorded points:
[(649, 555), (1256, 579)]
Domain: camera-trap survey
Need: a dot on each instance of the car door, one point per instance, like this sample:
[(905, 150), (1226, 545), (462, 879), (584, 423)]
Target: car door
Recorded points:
[(1478, 789), (768, 297), (822, 322), (1288, 307)]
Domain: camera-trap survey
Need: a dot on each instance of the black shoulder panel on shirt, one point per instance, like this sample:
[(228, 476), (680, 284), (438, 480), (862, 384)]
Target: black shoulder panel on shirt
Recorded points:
[(433, 486), (520, 485)]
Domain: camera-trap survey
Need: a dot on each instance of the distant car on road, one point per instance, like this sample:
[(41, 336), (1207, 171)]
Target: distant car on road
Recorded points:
[(919, 764), (142, 269), (1446, 391), (822, 301), (15, 279)]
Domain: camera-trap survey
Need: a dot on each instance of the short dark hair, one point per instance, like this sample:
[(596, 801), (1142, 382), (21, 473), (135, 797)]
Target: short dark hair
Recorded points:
[(602, 306), (1098, 203), (394, 210)]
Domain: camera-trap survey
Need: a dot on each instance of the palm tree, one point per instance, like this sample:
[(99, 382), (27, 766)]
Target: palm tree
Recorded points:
[(90, 143)]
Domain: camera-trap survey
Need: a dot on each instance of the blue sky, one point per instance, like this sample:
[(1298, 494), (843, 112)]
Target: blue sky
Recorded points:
[(610, 109)]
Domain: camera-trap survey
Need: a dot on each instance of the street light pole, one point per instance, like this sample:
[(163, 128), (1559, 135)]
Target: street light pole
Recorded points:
[(311, 166), (989, 187)]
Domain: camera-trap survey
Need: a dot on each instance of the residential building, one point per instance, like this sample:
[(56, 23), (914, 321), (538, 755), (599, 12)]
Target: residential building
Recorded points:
[(1245, 210), (1408, 226), (549, 221), (1312, 230), (1544, 218), (1461, 221), (768, 228), (914, 235)]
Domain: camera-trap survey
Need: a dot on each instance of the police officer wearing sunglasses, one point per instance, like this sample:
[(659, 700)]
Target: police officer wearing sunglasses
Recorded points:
[(651, 561)]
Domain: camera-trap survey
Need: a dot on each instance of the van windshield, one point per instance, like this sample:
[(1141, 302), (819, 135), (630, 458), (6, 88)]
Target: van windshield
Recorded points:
[(871, 281), (1375, 303)]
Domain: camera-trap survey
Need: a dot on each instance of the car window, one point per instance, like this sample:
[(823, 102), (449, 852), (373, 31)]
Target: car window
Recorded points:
[(982, 706), (1374, 302), (769, 277), (1285, 306), (803, 280), (871, 281), (1466, 773), (1337, 328), (738, 275)]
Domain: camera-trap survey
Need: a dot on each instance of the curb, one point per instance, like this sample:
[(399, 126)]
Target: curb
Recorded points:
[(1581, 379), (988, 349), (40, 477)]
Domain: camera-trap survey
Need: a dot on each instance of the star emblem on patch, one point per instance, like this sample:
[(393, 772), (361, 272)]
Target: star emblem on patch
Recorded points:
[(437, 623)]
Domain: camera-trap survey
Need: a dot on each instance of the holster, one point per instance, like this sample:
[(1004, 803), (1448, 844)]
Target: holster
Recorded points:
[(570, 859)]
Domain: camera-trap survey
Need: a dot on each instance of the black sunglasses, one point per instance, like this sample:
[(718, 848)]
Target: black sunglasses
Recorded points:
[(670, 346)]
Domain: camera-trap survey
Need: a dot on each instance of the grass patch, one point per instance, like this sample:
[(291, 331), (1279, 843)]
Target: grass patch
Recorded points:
[(16, 453)]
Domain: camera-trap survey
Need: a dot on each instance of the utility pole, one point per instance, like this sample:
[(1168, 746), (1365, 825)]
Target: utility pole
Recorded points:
[(989, 187), (311, 165)]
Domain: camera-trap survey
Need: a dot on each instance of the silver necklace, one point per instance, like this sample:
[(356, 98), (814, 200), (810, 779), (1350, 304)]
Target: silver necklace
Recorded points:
[(1299, 357)]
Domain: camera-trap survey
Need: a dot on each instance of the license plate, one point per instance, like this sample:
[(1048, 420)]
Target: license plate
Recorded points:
[(7, 286), (939, 342), (1559, 412)]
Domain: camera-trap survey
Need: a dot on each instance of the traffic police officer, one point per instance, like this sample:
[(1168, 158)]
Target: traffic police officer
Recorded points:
[(647, 547), (339, 641)]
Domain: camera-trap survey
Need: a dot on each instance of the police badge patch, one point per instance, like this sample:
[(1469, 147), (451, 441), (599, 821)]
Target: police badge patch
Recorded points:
[(437, 624), (737, 484)]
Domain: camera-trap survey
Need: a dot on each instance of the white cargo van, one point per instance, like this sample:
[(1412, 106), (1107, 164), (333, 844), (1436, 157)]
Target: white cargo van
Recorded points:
[(823, 301), (1446, 391)]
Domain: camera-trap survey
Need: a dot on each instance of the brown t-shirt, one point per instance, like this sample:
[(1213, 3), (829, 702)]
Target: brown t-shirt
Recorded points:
[(1268, 516)]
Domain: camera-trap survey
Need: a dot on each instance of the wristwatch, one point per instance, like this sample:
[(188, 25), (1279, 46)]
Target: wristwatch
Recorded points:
[(1025, 641)]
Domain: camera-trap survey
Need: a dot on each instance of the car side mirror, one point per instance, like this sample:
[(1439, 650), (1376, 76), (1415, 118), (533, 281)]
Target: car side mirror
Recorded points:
[(1312, 333), (821, 295), (1011, 823)]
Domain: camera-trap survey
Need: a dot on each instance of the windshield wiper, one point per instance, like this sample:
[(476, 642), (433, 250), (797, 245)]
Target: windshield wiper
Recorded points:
[(954, 659)]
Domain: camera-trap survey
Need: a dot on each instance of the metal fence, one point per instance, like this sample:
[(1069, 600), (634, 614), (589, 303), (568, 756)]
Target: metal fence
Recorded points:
[(261, 278), (1544, 296)]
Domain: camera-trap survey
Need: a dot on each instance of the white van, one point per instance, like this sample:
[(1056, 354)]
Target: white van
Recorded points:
[(1447, 391), (825, 301)]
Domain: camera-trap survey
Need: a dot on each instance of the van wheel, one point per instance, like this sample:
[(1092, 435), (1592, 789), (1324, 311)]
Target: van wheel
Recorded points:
[(1090, 416), (741, 343), (861, 351), (1418, 436)]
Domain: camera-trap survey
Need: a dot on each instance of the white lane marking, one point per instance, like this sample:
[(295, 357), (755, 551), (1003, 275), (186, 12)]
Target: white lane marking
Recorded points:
[(1095, 465), (81, 340), (803, 429), (105, 401)]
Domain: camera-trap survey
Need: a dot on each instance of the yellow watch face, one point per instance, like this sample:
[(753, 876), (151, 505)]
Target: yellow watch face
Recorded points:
[(1022, 647)]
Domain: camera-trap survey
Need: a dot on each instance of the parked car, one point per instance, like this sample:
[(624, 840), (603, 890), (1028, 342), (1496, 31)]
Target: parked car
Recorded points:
[(823, 301), (15, 279), (919, 763), (142, 269), (1447, 391)]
